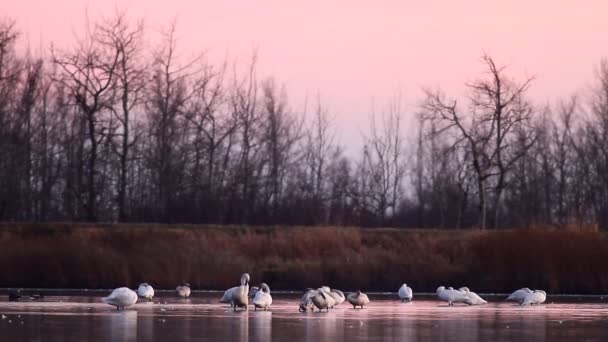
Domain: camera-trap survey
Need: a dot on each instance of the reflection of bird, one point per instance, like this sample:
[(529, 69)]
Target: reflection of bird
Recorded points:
[(405, 293), (239, 296), (121, 297), (450, 295), (146, 291), (357, 299), (262, 298), (306, 302), (472, 297), (537, 297), (183, 290), (519, 295)]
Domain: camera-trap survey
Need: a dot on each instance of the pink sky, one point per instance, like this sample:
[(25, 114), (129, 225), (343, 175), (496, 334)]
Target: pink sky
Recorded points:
[(357, 52)]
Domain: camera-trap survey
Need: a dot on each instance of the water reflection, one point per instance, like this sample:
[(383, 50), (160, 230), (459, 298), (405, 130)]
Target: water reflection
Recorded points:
[(122, 325), (261, 326)]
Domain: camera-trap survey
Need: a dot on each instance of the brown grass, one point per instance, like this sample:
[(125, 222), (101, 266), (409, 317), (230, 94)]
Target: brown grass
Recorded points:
[(212, 257)]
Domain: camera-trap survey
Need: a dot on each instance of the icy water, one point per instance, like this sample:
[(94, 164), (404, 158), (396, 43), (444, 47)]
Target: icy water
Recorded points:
[(84, 318)]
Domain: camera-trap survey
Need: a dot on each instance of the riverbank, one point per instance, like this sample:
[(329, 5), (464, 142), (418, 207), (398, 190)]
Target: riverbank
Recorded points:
[(210, 257)]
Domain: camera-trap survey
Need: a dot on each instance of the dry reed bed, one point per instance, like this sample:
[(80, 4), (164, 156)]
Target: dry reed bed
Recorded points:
[(211, 257)]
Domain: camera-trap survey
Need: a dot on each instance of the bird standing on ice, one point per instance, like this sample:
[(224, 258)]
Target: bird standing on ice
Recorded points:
[(121, 298), (239, 296), (450, 295), (145, 291), (262, 298), (357, 299), (537, 297), (323, 300), (519, 295), (472, 297), (405, 293), (183, 290)]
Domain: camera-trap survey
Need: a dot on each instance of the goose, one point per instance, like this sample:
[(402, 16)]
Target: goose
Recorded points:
[(323, 300), (338, 296), (306, 302), (183, 290), (145, 291), (121, 297), (472, 297), (450, 295), (239, 296), (537, 297), (357, 299), (519, 295), (262, 298), (405, 293)]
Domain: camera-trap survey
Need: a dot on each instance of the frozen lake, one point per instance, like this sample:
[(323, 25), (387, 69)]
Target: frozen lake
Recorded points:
[(80, 318)]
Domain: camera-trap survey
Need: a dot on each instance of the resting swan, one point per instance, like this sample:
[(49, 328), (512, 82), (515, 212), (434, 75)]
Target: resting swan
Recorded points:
[(121, 297), (519, 295), (357, 299), (537, 297), (262, 298), (306, 302), (472, 297), (338, 296), (145, 291), (323, 300), (405, 293), (451, 296), (183, 290)]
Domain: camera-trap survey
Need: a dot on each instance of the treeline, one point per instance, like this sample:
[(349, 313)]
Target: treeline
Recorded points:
[(293, 258), (114, 129)]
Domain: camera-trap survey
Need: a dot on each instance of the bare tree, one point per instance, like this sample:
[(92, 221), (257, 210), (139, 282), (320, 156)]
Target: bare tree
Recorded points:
[(497, 109), (118, 34), (89, 72), (382, 165)]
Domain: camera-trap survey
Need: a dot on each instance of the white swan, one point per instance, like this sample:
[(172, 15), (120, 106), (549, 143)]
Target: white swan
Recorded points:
[(227, 297), (183, 290), (262, 298), (450, 295), (357, 299), (239, 296), (323, 300), (472, 297), (121, 297), (519, 295), (338, 296), (145, 291), (537, 297), (405, 293), (306, 300)]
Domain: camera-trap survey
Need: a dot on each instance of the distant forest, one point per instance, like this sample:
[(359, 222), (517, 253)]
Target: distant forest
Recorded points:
[(111, 129)]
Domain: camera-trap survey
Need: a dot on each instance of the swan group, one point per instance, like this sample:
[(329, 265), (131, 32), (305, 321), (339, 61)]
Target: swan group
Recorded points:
[(322, 298)]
